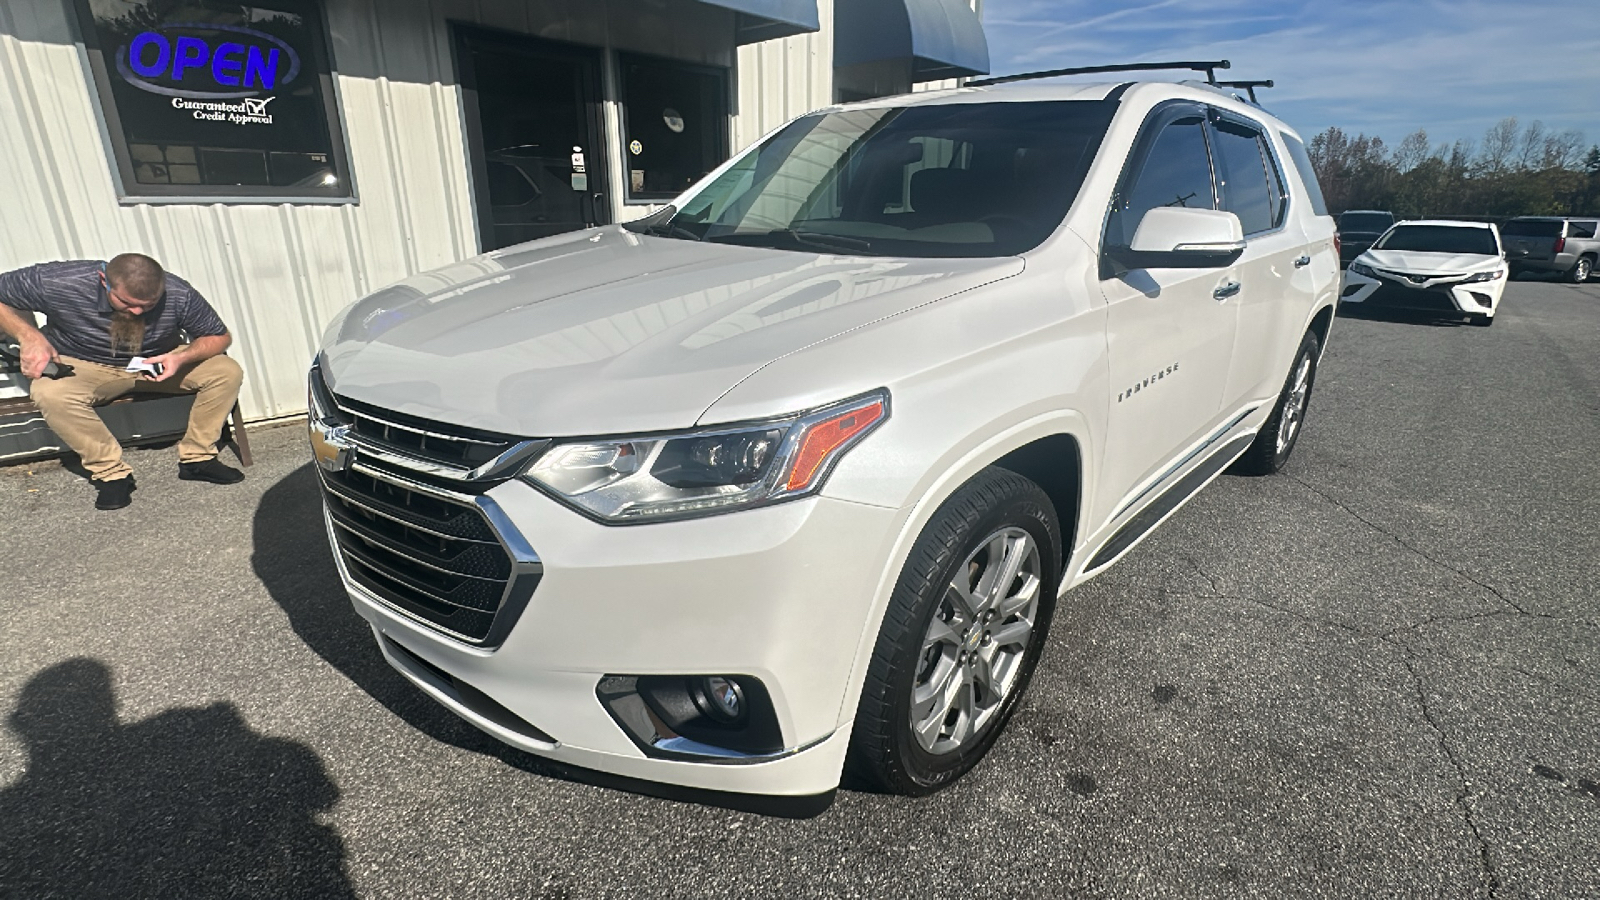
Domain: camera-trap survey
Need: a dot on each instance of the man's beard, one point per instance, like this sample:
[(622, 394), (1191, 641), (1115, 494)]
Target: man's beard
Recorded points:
[(127, 333)]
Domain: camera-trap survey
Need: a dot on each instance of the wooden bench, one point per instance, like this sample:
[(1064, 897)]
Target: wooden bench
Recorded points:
[(233, 429)]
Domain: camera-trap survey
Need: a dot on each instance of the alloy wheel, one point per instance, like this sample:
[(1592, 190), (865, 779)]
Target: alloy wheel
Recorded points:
[(1294, 406), (973, 650)]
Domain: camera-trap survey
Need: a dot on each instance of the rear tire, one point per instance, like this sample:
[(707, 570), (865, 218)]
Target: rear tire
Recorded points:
[(1273, 444), (1580, 271), (957, 646)]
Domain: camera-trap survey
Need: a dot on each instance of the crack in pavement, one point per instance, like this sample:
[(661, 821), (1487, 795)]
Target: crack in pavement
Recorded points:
[(1388, 637), (1489, 874), (1219, 594), (1402, 542)]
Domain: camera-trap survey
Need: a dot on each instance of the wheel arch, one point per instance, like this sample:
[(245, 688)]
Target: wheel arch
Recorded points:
[(1055, 464), (1322, 325), (1027, 448)]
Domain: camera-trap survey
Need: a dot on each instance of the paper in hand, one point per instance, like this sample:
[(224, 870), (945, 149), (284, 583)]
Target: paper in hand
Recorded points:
[(138, 364)]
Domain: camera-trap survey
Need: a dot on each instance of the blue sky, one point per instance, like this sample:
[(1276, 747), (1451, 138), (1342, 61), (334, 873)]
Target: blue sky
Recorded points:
[(1385, 67)]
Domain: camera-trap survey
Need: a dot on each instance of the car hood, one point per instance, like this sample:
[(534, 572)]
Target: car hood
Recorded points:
[(605, 331), (1429, 263)]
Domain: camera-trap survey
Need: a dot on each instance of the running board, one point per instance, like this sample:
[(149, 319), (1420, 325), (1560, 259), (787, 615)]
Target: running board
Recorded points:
[(1169, 500), (1187, 458)]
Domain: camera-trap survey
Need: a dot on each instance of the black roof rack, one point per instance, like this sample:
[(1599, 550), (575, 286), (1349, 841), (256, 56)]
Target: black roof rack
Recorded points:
[(1248, 86), (1207, 66)]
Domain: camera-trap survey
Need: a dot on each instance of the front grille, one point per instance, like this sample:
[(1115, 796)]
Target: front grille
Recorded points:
[(449, 444), (437, 559), (1432, 299), (439, 442)]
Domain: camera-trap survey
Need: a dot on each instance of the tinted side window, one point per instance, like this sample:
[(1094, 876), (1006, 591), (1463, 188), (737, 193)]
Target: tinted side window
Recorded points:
[(1308, 174), (1532, 228), (1580, 229), (1245, 188), (1177, 172)]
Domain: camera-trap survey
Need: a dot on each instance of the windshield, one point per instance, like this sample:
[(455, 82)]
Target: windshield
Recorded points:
[(1532, 228), (970, 179), (1373, 223), (1440, 239)]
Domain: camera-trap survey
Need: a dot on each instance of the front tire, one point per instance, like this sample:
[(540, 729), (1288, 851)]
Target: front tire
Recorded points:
[(1481, 321), (964, 630), (1270, 450)]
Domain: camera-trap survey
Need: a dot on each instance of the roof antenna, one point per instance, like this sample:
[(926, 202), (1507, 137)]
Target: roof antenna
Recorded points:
[(1248, 86), (1209, 67)]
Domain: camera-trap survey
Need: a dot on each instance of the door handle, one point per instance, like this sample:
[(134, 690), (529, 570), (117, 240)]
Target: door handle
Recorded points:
[(1227, 290), (1302, 262)]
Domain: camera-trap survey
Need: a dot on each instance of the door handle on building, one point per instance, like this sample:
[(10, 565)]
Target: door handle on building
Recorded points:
[(1227, 290), (1302, 262)]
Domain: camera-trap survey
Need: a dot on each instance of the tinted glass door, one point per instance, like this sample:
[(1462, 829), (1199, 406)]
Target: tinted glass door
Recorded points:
[(533, 132)]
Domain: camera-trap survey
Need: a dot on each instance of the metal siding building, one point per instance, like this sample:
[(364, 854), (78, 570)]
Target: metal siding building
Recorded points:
[(278, 269)]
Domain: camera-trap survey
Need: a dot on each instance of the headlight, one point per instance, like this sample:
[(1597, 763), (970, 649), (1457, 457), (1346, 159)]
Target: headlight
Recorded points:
[(706, 472), (1496, 275), (1360, 269)]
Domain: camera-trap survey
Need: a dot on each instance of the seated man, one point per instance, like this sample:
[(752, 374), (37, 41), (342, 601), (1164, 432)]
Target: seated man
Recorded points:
[(101, 315)]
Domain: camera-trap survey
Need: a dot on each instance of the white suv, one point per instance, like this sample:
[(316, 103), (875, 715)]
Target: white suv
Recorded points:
[(787, 479)]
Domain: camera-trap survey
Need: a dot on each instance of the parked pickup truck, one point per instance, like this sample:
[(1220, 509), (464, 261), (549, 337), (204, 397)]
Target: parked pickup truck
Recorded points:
[(1568, 246), (789, 477)]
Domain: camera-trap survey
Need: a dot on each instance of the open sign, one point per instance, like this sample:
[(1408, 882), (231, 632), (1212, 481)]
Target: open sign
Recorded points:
[(207, 61)]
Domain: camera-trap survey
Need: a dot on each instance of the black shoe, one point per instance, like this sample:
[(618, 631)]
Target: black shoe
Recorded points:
[(113, 494), (209, 470)]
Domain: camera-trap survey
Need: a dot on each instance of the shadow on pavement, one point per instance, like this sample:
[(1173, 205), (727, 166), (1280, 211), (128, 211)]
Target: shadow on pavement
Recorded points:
[(188, 803), (294, 562)]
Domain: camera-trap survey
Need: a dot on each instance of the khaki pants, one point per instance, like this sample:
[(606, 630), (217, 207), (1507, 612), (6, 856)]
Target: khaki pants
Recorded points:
[(68, 405)]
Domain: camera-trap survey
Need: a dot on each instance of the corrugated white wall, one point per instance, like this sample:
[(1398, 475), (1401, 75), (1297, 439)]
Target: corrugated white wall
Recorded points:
[(278, 272), (781, 79)]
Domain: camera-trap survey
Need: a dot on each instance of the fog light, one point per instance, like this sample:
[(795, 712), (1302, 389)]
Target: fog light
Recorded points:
[(720, 699), (694, 717)]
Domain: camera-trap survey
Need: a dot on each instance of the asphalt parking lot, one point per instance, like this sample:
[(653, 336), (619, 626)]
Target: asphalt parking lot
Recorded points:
[(1377, 674)]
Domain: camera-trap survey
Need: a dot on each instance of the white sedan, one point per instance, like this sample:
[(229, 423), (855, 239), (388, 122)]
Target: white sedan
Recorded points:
[(1448, 268)]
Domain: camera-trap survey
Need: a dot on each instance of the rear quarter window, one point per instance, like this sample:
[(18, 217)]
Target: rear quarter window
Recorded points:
[(1581, 229), (1308, 175)]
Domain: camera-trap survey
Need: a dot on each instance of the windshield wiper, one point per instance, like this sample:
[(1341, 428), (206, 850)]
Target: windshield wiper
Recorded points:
[(662, 226), (667, 229), (824, 240)]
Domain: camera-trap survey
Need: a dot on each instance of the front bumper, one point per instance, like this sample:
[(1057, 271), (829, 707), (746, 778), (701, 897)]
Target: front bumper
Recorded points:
[(1443, 296), (781, 594)]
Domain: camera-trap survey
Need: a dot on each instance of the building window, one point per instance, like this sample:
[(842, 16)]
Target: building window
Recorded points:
[(209, 99), (675, 124)]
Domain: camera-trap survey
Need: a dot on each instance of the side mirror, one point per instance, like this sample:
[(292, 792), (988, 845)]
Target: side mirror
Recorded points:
[(1173, 237)]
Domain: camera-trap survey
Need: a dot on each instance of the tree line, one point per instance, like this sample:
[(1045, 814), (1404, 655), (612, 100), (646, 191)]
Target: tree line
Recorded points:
[(1516, 170)]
